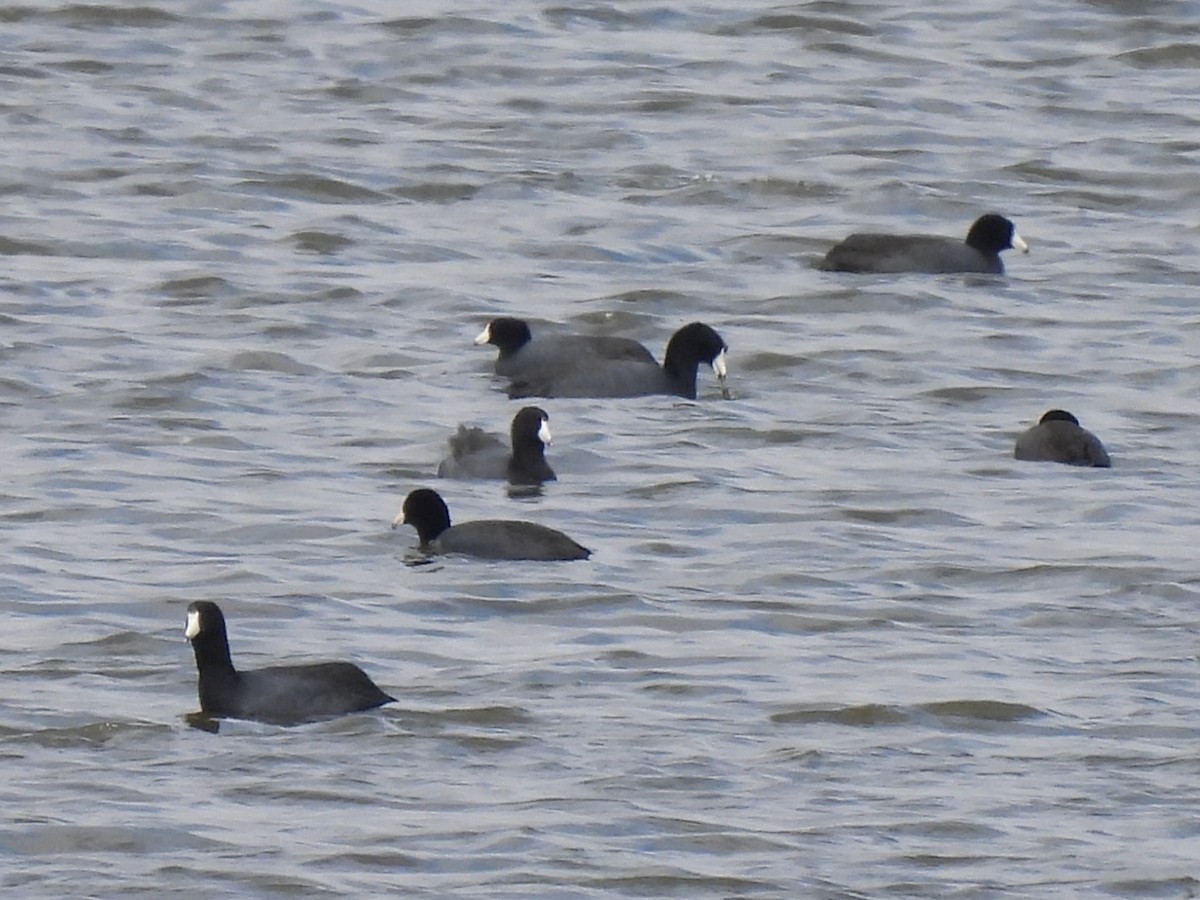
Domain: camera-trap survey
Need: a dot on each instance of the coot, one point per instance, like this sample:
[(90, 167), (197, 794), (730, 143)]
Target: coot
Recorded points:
[(426, 511), (980, 252), (521, 353), (279, 695), (574, 366), (1058, 437), (476, 454)]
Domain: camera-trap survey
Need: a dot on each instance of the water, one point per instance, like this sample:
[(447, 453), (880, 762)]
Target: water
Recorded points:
[(833, 642)]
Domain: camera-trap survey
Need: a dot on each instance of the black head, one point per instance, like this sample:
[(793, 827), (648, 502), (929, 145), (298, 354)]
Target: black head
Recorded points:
[(206, 630), (204, 620), (1059, 415), (531, 428), (425, 510), (506, 333), (689, 346), (992, 233), (530, 435)]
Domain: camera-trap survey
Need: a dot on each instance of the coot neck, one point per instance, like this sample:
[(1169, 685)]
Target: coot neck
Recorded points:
[(681, 376), (212, 655)]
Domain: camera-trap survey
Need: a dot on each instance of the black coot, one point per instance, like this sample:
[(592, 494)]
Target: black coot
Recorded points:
[(1058, 437), (580, 366), (521, 353), (476, 454), (280, 695), (426, 511), (980, 252)]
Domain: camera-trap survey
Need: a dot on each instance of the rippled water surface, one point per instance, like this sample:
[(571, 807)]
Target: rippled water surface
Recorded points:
[(833, 641)]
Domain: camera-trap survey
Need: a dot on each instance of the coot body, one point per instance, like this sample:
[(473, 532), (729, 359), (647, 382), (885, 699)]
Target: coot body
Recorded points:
[(1058, 437)]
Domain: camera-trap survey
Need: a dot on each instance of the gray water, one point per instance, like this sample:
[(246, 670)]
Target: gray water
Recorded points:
[(833, 641)]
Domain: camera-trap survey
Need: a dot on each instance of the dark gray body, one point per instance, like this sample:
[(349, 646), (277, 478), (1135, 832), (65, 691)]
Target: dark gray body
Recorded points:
[(909, 253), (1062, 440), (557, 352), (508, 539), (475, 454), (629, 379), (289, 695)]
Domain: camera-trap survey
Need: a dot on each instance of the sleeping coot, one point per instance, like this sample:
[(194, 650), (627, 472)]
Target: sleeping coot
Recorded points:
[(602, 366), (1058, 437), (426, 511), (980, 252), (476, 454), (279, 695)]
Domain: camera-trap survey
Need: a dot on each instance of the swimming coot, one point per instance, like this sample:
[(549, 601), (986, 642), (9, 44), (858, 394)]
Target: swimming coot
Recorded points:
[(598, 366), (476, 454), (279, 695), (521, 353), (426, 511), (980, 252), (1058, 437)]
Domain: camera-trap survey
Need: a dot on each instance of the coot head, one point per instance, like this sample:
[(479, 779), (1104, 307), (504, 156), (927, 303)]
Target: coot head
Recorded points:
[(1058, 415), (507, 334), (206, 630), (531, 427), (992, 233), (689, 346), (426, 511)]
